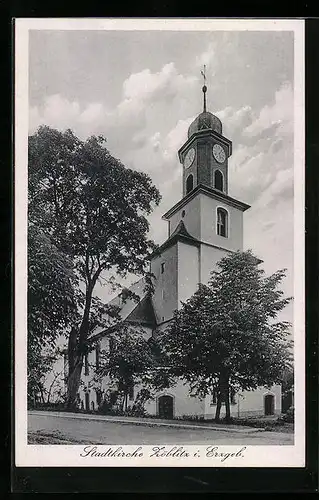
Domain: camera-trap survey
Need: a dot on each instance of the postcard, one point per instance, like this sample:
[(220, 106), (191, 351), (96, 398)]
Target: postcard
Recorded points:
[(159, 243)]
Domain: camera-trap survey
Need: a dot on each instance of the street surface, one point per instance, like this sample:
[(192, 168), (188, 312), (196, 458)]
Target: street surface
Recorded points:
[(81, 429)]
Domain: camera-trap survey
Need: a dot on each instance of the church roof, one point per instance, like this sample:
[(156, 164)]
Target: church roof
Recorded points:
[(205, 120), (138, 311), (181, 234), (143, 314), (209, 191)]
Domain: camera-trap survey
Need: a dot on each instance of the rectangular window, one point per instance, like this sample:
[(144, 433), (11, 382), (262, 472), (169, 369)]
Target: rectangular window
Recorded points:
[(86, 365), (162, 267)]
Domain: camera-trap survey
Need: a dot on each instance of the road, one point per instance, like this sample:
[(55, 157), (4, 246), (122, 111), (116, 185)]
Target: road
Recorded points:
[(68, 429)]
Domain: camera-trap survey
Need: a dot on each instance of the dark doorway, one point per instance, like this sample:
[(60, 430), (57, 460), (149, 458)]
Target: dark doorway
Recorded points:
[(165, 407), (269, 404)]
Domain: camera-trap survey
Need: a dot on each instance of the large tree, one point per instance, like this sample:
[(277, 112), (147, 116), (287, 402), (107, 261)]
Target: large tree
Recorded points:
[(227, 336), (51, 304), (94, 211)]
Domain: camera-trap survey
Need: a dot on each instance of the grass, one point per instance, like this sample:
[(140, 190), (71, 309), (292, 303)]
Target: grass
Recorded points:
[(55, 437)]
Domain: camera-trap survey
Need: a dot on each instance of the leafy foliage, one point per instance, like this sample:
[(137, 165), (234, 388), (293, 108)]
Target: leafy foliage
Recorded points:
[(93, 209), (51, 306), (40, 366), (51, 293), (132, 360), (226, 335)]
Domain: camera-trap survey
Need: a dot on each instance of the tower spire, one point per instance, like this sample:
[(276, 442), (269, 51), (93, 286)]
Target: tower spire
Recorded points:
[(204, 89)]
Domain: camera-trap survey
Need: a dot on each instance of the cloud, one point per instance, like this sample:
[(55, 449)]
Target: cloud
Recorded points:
[(149, 99), (58, 112), (145, 88), (207, 57), (176, 137), (279, 115), (263, 149)]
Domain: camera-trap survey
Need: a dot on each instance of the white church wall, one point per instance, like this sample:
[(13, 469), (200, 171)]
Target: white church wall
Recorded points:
[(90, 386), (209, 256), (188, 271), (165, 295), (208, 220), (247, 403), (252, 402), (183, 403), (191, 218)]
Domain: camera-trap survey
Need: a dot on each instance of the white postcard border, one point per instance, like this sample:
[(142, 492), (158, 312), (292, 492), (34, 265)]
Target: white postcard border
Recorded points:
[(66, 456)]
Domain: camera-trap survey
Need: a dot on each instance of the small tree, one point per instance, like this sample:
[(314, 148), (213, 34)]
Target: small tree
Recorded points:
[(226, 335), (94, 211), (133, 360), (42, 378)]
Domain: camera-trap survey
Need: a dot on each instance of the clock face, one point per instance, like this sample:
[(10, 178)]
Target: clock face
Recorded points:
[(219, 153), (189, 158)]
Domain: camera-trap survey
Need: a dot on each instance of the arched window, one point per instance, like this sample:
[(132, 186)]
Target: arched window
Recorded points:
[(218, 180), (222, 222), (189, 183)]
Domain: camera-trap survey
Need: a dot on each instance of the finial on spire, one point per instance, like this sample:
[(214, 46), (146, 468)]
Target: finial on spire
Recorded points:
[(204, 89)]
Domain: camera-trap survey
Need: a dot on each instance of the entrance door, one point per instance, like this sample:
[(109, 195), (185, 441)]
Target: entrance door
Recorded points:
[(165, 407), (269, 403)]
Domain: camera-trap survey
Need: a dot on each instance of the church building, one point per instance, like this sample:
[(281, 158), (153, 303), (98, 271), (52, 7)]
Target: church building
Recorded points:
[(203, 226)]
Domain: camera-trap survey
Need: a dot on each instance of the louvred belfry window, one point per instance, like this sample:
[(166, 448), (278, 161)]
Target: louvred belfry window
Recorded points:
[(218, 180), (189, 183)]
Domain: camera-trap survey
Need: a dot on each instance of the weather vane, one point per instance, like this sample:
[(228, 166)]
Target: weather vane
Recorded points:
[(204, 89), (203, 72)]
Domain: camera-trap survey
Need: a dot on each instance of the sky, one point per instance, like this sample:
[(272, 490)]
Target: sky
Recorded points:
[(142, 89)]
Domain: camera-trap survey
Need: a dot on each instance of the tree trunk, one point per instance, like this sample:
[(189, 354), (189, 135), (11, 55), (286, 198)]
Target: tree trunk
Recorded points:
[(76, 345), (223, 397), (227, 404), (74, 379), (218, 407), (41, 393)]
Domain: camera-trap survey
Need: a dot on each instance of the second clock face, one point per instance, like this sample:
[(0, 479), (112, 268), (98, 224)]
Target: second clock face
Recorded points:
[(189, 158), (219, 153)]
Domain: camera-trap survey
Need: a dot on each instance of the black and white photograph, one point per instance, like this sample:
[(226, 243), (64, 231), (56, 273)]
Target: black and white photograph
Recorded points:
[(159, 265)]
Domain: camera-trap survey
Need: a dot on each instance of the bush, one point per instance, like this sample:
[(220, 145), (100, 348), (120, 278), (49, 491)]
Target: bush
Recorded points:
[(191, 418), (60, 406), (289, 416), (109, 404)]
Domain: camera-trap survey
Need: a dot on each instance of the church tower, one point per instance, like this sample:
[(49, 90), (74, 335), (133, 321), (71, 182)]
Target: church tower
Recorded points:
[(205, 225)]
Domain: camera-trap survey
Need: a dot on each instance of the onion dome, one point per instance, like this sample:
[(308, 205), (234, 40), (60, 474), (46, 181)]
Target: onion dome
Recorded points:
[(205, 120)]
